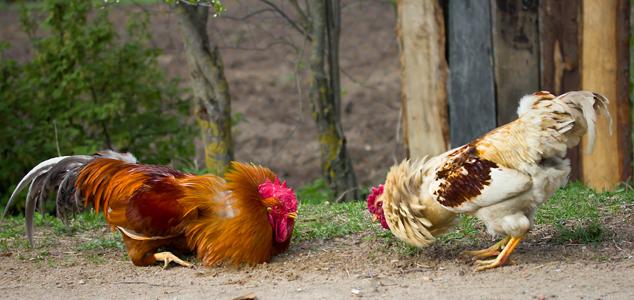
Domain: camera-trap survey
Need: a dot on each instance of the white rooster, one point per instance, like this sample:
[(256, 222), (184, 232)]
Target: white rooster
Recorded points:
[(501, 177)]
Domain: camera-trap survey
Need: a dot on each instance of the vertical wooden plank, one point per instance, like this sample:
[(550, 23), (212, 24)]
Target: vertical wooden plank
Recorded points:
[(604, 70), (624, 117), (471, 90), (515, 54), (421, 36), (559, 29)]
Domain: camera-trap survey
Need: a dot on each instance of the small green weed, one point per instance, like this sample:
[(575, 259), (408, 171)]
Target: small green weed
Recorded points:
[(314, 193), (580, 234), (105, 243), (466, 229), (84, 221)]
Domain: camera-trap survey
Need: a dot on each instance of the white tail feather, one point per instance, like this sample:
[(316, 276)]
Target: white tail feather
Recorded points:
[(42, 167), (590, 104)]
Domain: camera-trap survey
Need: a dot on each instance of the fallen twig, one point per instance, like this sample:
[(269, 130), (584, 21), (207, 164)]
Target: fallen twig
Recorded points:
[(146, 283), (249, 296)]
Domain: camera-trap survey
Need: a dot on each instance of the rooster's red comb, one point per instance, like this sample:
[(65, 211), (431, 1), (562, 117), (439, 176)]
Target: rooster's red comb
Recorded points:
[(281, 192), (375, 192)]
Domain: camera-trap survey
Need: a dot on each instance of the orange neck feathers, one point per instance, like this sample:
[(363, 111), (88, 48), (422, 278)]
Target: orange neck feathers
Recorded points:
[(232, 221)]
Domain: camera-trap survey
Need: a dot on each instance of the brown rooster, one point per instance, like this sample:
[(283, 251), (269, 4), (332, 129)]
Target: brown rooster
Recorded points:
[(501, 177), (244, 218)]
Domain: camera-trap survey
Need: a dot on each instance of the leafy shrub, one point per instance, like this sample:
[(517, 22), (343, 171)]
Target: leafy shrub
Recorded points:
[(84, 90)]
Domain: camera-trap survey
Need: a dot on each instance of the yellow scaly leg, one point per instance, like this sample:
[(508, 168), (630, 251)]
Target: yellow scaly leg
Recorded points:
[(502, 258), (488, 252), (167, 257)]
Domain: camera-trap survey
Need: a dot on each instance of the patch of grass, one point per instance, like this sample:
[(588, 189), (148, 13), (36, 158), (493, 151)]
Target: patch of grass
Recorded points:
[(84, 221), (314, 193), (110, 242), (11, 227), (466, 229), (581, 234), (577, 211), (326, 220), (12, 234), (574, 202), (321, 219), (96, 259)]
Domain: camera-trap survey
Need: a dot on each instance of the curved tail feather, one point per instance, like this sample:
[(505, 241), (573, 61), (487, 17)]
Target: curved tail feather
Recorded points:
[(584, 107), (574, 114), (57, 174), (30, 177)]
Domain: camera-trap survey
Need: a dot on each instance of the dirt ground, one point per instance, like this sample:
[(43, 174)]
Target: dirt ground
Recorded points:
[(260, 55), (363, 265), (357, 266)]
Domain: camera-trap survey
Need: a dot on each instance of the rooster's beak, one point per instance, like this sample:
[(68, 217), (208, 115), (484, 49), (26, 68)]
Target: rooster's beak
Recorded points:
[(374, 218), (292, 215)]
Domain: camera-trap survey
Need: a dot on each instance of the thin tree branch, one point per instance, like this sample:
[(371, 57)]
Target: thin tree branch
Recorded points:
[(196, 3), (59, 153), (288, 19), (250, 15), (298, 83), (304, 18), (280, 42)]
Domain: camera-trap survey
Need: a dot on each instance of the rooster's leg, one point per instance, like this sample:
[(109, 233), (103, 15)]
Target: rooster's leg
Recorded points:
[(502, 258), (488, 252), (168, 257)]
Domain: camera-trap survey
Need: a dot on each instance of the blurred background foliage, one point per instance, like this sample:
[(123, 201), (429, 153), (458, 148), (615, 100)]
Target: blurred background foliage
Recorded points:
[(86, 89)]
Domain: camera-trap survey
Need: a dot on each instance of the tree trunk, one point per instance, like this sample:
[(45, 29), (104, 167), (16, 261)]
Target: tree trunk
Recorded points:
[(421, 37), (211, 90), (325, 97)]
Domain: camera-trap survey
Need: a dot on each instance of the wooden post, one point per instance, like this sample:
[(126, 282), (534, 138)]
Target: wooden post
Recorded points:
[(559, 55), (515, 54), (421, 37), (604, 69), (471, 92)]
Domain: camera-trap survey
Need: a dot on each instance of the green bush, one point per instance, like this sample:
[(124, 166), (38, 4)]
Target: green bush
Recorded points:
[(83, 90)]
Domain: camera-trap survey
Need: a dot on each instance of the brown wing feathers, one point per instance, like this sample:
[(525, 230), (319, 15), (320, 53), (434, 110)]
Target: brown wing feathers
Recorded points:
[(463, 176)]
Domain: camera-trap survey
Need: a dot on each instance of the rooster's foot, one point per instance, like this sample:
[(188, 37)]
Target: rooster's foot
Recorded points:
[(502, 259), (488, 252), (167, 257)]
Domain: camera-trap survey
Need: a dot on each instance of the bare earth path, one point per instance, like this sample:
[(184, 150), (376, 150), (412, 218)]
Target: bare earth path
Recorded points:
[(357, 266)]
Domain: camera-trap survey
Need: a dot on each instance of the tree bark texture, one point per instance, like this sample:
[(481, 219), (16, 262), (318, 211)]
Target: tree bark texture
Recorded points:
[(210, 88), (325, 98), (421, 36)]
